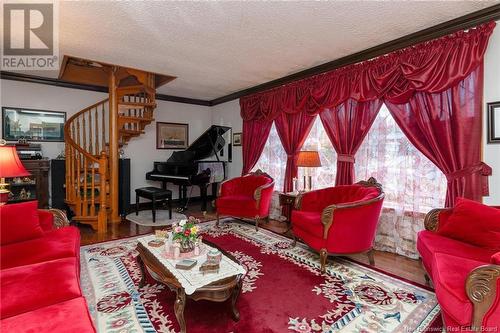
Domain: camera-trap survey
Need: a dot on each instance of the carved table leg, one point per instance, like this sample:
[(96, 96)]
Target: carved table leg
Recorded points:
[(234, 297), (143, 271), (180, 302)]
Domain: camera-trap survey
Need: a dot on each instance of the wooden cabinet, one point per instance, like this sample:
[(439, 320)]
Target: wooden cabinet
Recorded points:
[(36, 188)]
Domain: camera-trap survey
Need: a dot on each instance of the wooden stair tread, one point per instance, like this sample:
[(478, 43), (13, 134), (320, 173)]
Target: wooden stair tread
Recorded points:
[(136, 105), (135, 119), (128, 132)]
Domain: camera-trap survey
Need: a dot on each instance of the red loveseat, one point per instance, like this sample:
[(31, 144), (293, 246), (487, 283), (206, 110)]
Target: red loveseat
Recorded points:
[(339, 220), (247, 197), (40, 272), (460, 251)]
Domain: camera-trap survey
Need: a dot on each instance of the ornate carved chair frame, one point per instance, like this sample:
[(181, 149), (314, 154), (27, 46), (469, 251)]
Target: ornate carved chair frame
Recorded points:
[(60, 218), (327, 220), (481, 283)]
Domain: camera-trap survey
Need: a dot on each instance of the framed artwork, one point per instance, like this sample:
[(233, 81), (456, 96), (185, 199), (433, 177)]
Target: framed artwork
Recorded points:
[(236, 139), (493, 122), (172, 135), (32, 125)]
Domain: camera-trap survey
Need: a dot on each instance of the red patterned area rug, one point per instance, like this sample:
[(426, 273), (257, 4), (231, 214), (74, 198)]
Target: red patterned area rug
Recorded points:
[(283, 291)]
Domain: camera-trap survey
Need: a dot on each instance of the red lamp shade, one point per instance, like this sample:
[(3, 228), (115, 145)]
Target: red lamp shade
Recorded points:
[(10, 164), (308, 158)]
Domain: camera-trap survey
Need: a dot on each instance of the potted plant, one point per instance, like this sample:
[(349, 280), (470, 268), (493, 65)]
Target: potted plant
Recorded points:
[(186, 233)]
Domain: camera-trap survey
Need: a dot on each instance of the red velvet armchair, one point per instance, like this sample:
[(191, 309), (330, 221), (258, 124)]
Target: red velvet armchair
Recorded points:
[(463, 262), (339, 220), (246, 197)]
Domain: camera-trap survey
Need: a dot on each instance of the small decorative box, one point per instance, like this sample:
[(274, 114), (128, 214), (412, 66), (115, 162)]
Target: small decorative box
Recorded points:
[(208, 267), (214, 256)]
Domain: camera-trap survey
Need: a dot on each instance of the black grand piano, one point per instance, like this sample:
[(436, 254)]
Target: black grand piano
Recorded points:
[(191, 167)]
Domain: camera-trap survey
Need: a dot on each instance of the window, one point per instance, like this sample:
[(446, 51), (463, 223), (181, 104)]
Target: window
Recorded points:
[(318, 140), (413, 185), (410, 181), (273, 158)]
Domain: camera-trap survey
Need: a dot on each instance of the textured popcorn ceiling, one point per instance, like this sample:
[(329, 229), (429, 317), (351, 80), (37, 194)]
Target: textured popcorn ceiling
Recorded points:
[(215, 48)]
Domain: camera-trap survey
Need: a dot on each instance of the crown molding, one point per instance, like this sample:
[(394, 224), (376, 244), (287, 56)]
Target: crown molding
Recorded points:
[(4, 75)]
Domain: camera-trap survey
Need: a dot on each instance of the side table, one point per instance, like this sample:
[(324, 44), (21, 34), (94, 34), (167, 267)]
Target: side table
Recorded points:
[(287, 202)]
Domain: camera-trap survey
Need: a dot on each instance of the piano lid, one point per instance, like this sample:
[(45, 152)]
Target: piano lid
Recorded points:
[(203, 147)]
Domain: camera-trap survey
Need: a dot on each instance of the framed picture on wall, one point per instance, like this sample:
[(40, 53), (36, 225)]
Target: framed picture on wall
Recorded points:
[(236, 139), (493, 122), (172, 135), (32, 125)]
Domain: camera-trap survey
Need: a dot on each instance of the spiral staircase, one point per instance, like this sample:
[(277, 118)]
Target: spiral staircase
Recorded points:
[(94, 135)]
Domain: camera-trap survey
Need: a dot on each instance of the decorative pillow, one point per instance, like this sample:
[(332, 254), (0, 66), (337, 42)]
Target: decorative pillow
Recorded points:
[(474, 223), (19, 222)]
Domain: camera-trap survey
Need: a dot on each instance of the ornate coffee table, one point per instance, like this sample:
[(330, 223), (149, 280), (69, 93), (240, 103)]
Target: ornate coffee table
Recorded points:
[(216, 287)]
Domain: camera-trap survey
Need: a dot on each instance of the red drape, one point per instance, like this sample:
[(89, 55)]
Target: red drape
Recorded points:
[(420, 82), (429, 67), (446, 127), (346, 126), (254, 137), (292, 130)]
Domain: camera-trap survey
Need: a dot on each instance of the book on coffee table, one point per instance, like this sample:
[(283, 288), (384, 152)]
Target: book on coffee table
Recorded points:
[(186, 264)]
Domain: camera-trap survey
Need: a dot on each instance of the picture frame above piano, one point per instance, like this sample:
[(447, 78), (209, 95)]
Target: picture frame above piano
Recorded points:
[(172, 135)]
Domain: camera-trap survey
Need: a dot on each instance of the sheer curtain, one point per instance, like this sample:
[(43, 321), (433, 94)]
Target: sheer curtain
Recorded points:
[(413, 185), (318, 140), (273, 159)]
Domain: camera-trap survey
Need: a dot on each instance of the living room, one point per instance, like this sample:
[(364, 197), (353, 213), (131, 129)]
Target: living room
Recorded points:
[(250, 166)]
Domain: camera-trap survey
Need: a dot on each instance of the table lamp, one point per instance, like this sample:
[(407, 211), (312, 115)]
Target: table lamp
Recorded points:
[(308, 159), (10, 166)]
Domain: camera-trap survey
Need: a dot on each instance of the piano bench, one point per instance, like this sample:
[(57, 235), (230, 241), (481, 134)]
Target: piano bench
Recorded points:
[(154, 194)]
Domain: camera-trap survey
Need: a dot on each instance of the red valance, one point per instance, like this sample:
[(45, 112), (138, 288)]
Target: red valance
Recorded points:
[(429, 67)]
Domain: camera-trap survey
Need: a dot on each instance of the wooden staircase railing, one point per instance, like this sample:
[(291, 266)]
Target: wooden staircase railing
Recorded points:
[(93, 138), (86, 134)]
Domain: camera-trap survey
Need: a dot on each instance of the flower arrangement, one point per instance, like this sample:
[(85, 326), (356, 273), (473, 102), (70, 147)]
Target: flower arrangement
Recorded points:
[(186, 233)]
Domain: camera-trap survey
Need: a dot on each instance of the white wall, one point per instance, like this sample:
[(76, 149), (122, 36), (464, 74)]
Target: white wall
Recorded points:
[(491, 152), (142, 150), (228, 114)]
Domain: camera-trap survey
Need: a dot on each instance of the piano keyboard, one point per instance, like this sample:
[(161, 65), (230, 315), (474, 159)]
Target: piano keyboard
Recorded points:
[(167, 176)]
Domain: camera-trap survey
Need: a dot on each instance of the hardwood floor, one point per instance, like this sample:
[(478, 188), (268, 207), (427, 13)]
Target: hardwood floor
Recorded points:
[(404, 267)]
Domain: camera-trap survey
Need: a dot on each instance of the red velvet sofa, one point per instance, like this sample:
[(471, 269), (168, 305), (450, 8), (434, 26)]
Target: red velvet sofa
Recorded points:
[(40, 272), (339, 220), (247, 197), (460, 251)]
